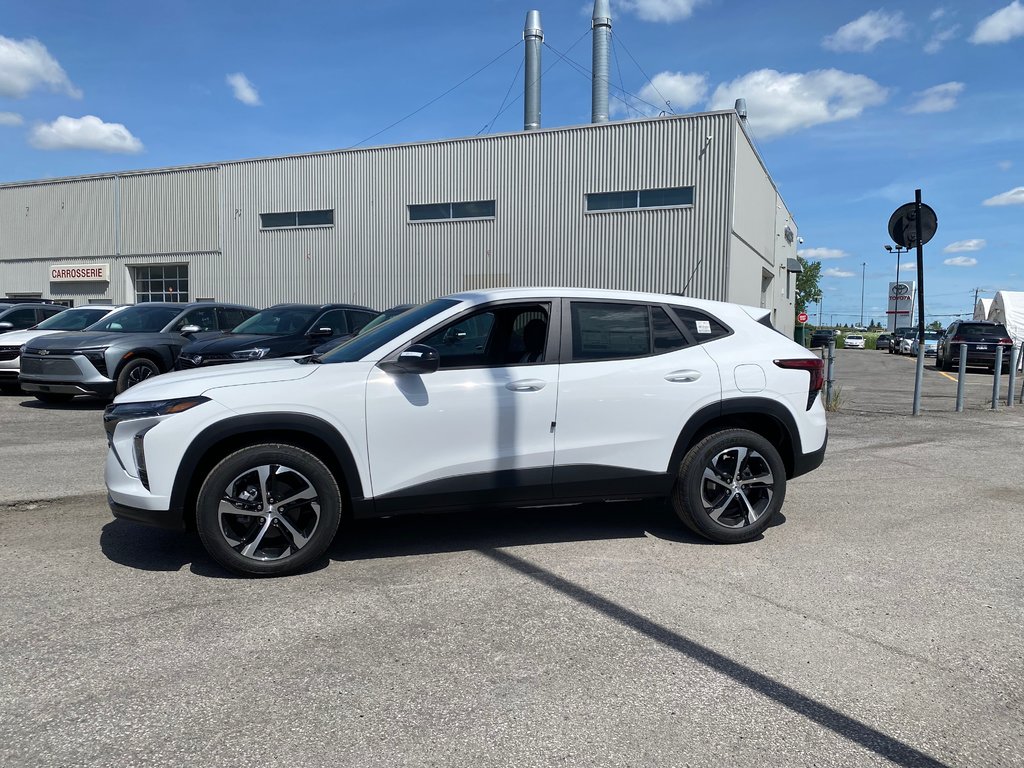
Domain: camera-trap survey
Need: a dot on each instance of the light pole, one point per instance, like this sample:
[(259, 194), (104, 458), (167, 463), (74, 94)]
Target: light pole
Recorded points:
[(899, 251), (863, 273)]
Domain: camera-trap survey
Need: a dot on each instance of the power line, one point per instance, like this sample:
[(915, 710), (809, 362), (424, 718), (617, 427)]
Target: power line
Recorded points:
[(515, 78), (438, 98), (667, 103)]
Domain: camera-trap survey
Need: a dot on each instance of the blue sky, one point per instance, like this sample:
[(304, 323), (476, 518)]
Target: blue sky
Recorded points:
[(853, 105)]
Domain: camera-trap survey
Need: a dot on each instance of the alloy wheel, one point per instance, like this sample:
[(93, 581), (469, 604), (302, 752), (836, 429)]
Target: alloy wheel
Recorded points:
[(737, 487)]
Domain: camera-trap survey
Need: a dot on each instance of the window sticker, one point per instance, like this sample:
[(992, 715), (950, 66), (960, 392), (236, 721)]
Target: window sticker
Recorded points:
[(703, 326)]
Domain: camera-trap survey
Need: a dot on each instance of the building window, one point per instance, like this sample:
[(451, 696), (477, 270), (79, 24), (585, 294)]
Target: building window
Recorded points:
[(165, 282), (295, 219), (670, 197), (479, 209)]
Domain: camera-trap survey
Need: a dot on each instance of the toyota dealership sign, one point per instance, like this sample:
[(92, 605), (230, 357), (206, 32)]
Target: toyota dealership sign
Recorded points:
[(901, 304)]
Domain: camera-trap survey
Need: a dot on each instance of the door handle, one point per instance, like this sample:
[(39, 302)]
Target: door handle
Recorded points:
[(526, 385), (681, 376)]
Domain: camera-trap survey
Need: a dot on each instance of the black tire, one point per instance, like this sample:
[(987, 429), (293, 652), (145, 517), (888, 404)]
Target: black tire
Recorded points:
[(947, 364), (695, 498), (252, 542), (136, 371), (53, 397)]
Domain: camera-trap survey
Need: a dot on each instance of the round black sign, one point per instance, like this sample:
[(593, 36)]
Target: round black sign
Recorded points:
[(903, 225)]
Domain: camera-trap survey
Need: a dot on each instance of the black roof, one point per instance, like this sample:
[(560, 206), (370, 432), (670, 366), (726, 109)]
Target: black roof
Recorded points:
[(295, 305)]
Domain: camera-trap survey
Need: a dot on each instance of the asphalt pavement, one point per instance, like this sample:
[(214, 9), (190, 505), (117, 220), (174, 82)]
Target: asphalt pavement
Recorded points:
[(880, 621)]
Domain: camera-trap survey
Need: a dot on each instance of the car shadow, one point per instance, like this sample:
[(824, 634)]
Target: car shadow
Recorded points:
[(78, 404), (146, 548)]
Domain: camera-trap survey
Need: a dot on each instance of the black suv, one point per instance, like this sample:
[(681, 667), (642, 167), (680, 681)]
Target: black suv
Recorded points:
[(18, 317), (283, 330), (982, 338)]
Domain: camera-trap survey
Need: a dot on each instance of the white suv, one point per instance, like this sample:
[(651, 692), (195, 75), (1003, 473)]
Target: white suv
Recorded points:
[(510, 397)]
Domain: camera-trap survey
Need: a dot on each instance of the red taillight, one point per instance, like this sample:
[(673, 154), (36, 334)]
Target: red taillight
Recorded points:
[(957, 340), (814, 366), (1005, 341)]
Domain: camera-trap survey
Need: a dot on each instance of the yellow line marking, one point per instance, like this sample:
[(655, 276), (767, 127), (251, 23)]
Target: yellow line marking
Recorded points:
[(951, 378)]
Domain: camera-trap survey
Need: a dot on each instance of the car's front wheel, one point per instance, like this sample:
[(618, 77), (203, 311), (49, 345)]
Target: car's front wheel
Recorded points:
[(730, 485), (135, 372), (268, 510)]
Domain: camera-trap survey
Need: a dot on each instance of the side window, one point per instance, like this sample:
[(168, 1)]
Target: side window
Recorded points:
[(610, 331), (357, 319), (21, 318), (229, 317), (498, 336), (50, 312), (667, 336), (702, 327), (333, 319), (204, 317)]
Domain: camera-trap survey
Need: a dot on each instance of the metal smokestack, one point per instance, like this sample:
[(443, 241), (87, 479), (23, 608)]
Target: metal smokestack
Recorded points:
[(534, 36), (741, 109), (601, 23)]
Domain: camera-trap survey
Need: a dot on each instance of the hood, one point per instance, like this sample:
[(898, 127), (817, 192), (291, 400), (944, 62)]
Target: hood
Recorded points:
[(198, 381), (83, 339), (232, 342), (17, 338)]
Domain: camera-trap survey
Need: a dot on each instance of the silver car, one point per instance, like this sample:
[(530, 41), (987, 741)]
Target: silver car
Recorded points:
[(124, 348)]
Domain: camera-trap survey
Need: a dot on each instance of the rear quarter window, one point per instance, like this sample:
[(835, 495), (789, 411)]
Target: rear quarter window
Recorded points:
[(701, 326)]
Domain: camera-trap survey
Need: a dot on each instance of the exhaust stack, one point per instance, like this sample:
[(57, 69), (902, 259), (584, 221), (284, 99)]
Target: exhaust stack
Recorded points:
[(601, 23), (534, 36)]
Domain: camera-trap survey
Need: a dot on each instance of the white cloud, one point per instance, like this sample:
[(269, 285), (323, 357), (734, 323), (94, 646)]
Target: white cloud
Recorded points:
[(11, 118), (1005, 165), (821, 254), (660, 10), (833, 272), (863, 34), (682, 91), (244, 90), (940, 38), (938, 98), (87, 132), (780, 103), (937, 14), (1002, 26), (960, 261), (964, 245), (1014, 197), (910, 266), (26, 65)]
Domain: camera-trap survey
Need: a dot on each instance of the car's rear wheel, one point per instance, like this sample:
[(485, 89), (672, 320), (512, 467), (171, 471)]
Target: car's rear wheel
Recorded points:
[(135, 372), (729, 486), (268, 510), (53, 397)]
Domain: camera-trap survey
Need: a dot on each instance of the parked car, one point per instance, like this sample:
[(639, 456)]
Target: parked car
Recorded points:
[(18, 317), (822, 336), (124, 348), (69, 320), (931, 343), (283, 330), (983, 339), (882, 342), (854, 341), (453, 405), (383, 317), (896, 340)]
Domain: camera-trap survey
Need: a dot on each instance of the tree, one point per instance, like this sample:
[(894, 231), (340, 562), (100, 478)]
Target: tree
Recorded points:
[(807, 289), (934, 325)]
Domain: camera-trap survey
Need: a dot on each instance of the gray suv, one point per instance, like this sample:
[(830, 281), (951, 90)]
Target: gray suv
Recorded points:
[(18, 317), (122, 349)]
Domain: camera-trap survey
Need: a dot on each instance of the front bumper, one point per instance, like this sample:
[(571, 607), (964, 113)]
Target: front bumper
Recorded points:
[(64, 375), (161, 518)]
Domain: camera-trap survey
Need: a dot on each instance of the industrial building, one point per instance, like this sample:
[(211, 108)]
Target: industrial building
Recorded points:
[(675, 204)]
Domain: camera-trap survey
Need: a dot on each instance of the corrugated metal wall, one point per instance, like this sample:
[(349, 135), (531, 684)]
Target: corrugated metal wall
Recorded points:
[(55, 220), (540, 234), (208, 217)]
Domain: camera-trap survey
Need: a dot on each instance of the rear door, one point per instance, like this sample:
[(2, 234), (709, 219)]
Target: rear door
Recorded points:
[(631, 377)]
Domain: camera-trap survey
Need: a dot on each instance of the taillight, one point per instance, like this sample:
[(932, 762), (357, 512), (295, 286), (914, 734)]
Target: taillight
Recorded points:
[(1005, 341), (957, 340), (814, 366)]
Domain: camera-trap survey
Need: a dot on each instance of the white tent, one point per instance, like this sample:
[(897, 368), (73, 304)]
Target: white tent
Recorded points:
[(1008, 308), (982, 308)]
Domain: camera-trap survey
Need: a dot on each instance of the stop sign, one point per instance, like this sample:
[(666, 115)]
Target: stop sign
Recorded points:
[(802, 317)]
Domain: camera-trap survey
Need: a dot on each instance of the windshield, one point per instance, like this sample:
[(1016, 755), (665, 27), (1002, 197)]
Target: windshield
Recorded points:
[(71, 319), (278, 321), (931, 334), (360, 346), (138, 319)]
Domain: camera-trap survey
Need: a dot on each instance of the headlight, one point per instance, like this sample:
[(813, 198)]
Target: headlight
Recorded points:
[(114, 414), (251, 354)]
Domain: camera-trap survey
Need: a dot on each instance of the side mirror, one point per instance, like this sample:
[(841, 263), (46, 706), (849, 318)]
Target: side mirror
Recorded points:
[(322, 331), (5, 326), (190, 329), (419, 358)]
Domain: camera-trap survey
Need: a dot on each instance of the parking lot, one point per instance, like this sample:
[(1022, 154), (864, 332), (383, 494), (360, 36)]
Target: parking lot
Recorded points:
[(879, 622)]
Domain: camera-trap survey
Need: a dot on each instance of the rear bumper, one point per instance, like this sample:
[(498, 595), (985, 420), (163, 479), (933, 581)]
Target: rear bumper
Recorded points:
[(806, 462)]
